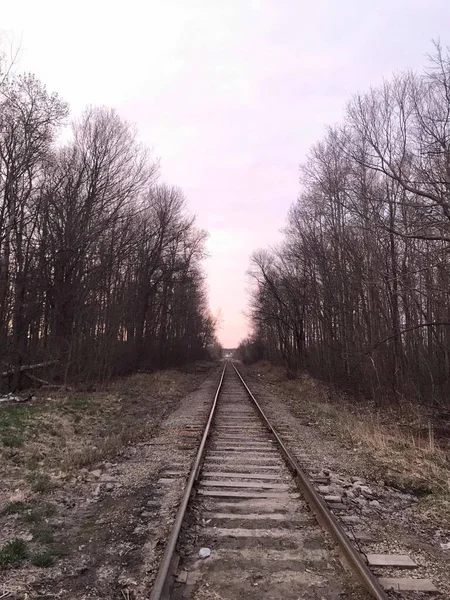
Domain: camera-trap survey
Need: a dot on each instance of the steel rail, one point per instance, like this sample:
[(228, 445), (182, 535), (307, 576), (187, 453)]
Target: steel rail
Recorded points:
[(163, 571), (321, 511)]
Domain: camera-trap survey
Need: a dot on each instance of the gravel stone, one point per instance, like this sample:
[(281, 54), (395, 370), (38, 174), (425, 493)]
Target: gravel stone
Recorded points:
[(386, 514)]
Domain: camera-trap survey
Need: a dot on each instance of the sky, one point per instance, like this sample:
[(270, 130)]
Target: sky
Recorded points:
[(229, 94)]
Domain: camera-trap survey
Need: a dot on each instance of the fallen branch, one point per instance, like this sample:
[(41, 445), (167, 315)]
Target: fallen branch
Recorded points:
[(38, 379), (29, 367)]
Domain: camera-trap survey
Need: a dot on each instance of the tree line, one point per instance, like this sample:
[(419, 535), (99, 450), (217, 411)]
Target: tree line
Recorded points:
[(100, 266), (358, 292)]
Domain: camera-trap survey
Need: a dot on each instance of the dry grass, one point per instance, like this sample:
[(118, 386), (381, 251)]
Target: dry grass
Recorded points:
[(390, 443), (68, 431), (108, 447), (204, 593), (49, 504)]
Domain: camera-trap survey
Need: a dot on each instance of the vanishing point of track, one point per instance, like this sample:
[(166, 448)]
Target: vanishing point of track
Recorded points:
[(252, 490)]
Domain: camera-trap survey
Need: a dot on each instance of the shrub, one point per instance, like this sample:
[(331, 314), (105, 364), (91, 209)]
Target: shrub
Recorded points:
[(12, 441), (42, 559), (40, 482), (13, 553)]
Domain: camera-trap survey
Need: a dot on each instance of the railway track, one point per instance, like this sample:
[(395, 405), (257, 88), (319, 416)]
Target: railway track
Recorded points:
[(248, 501)]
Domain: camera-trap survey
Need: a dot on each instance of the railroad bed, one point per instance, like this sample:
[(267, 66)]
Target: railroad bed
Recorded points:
[(257, 512)]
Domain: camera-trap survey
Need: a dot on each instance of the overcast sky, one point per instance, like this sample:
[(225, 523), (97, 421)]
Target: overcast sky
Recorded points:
[(229, 93)]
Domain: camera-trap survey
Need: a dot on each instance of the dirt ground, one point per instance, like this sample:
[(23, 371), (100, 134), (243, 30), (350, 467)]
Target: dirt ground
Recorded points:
[(90, 480)]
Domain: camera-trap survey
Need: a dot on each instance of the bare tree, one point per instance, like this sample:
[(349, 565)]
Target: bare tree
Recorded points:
[(358, 293), (100, 268)]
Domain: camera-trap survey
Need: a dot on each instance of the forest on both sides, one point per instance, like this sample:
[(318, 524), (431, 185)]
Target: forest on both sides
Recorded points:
[(100, 265), (358, 292)]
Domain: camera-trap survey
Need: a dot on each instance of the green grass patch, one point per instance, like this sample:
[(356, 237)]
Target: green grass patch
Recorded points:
[(78, 402), (17, 417), (13, 553), (30, 513), (15, 508), (40, 482), (42, 559), (12, 441), (43, 534), (81, 404), (17, 423)]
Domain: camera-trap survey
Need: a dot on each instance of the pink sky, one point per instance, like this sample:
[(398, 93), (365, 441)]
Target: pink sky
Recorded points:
[(229, 93)]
